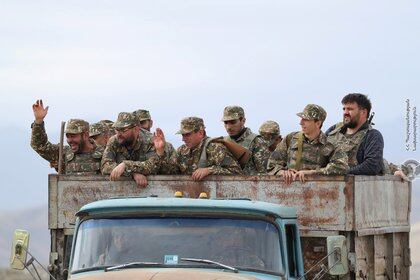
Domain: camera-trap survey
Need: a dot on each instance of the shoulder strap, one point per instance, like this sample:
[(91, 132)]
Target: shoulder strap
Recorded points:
[(299, 152), (203, 156), (248, 140)]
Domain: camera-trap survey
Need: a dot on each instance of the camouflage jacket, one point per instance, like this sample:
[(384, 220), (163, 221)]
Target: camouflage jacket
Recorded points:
[(73, 163), (141, 159), (364, 148), (186, 161), (318, 154), (257, 164)]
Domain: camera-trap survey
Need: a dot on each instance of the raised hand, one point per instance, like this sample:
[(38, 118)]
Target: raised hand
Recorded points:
[(39, 111), (159, 141)]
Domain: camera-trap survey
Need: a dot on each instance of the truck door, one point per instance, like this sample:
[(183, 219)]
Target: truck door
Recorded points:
[(293, 251)]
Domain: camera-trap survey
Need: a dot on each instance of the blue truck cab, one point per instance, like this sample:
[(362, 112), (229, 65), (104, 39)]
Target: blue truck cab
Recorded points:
[(183, 238)]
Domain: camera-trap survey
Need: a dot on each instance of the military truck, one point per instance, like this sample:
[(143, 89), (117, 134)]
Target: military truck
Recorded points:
[(353, 227)]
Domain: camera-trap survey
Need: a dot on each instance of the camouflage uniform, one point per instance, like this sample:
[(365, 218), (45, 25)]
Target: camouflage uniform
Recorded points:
[(73, 163), (98, 129), (141, 158), (186, 160), (318, 154), (254, 143)]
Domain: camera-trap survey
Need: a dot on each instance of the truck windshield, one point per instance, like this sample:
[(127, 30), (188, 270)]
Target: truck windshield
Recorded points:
[(247, 244)]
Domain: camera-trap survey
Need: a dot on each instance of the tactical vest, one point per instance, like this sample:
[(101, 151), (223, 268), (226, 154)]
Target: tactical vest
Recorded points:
[(83, 164), (350, 144)]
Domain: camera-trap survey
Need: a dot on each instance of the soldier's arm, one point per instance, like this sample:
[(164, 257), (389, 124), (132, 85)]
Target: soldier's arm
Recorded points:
[(278, 159), (41, 145), (169, 161), (147, 167), (337, 164), (109, 158), (221, 160), (260, 155)]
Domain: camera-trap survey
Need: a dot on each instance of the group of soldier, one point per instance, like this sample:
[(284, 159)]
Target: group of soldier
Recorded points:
[(126, 147)]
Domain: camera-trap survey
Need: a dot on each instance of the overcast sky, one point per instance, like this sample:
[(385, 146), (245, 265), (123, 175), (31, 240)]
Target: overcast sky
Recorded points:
[(93, 59)]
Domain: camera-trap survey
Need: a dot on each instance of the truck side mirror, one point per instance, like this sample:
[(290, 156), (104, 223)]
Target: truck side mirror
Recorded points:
[(19, 249), (337, 255)]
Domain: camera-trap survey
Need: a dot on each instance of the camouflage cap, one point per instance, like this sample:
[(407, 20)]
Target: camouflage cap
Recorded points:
[(76, 126), (191, 124), (108, 123), (125, 120), (270, 127), (231, 113), (97, 129), (142, 115), (313, 112)]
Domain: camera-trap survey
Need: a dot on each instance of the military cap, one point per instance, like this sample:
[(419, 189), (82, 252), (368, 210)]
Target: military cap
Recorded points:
[(270, 127), (231, 113), (313, 112), (108, 123), (76, 126), (142, 115), (125, 120), (97, 129), (191, 124)]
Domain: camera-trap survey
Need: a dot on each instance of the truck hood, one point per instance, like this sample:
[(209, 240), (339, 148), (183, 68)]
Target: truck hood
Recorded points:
[(164, 274)]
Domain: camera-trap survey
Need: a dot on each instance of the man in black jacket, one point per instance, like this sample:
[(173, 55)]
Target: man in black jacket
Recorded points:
[(364, 145)]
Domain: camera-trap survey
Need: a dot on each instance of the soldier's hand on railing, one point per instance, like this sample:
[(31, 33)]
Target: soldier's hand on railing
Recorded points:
[(301, 175), (140, 179), (288, 175), (159, 141), (200, 173), (117, 171), (39, 111)]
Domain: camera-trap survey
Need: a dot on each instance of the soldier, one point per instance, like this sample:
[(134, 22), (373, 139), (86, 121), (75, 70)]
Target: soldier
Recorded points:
[(363, 144), (145, 119), (308, 151), (110, 126), (126, 154), (145, 122), (234, 121), (199, 156), (99, 133), (270, 132), (81, 157)]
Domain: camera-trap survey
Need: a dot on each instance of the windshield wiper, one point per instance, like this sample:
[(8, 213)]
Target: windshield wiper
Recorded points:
[(127, 265), (210, 262)]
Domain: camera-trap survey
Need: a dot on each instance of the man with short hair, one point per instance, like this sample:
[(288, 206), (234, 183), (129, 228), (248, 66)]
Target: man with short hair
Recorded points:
[(234, 122), (364, 145), (307, 152), (99, 133), (126, 154), (199, 156), (270, 132), (81, 157)]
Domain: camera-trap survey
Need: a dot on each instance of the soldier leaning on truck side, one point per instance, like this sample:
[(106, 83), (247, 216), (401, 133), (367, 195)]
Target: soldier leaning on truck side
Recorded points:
[(308, 151), (270, 132), (234, 122), (99, 133), (145, 122), (364, 145), (199, 156), (127, 154), (81, 157)]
